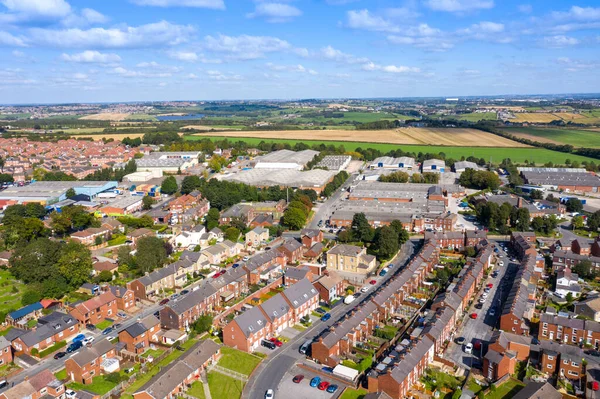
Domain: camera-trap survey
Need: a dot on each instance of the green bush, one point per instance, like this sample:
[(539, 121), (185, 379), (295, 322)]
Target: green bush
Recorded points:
[(34, 352), (115, 378)]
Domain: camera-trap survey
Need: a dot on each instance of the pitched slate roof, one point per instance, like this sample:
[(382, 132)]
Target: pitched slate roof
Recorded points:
[(88, 354), (275, 307), (300, 293), (251, 321)]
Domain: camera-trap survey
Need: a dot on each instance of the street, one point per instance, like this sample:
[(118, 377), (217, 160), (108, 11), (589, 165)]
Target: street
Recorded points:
[(323, 212), (271, 371), (482, 328)]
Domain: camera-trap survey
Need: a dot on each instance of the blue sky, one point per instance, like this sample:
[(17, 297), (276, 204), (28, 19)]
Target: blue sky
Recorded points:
[(136, 50)]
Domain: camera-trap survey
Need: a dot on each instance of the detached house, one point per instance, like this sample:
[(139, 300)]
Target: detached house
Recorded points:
[(350, 258), (330, 287), (257, 236), (292, 250), (91, 234)]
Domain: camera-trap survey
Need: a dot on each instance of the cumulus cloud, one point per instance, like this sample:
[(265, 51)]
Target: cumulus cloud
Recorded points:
[(390, 68), (459, 5), (26, 10), (92, 57), (212, 4), (150, 35), (245, 47), (525, 8), (291, 68), (187, 56), (128, 73), (275, 12), (576, 13), (329, 53), (223, 76), (363, 19), (7, 39)]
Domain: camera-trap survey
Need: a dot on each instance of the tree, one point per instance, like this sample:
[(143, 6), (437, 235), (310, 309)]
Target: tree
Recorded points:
[(191, 183), (36, 261), (593, 221), (169, 186), (75, 264), (232, 234), (212, 218), (104, 276), (387, 242), (442, 276), (203, 324), (521, 219), (574, 205), (30, 297), (294, 218), (536, 194), (578, 222), (150, 254), (70, 193), (584, 269), (362, 229), (147, 202), (124, 256)]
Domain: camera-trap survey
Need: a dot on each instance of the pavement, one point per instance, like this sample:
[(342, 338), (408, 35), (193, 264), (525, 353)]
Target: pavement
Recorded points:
[(274, 369), (484, 326)]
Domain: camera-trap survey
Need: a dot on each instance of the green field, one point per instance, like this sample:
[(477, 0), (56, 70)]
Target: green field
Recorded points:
[(237, 360), (476, 117), (12, 117), (9, 299), (141, 117), (493, 154), (575, 137)]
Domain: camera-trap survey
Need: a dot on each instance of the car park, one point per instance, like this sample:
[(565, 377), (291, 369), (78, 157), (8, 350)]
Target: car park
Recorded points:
[(469, 348), (315, 382), (297, 379)]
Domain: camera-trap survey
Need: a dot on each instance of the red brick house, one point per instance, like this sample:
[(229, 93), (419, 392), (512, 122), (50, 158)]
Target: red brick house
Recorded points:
[(42, 385), (137, 337), (330, 287), (91, 234), (87, 363), (94, 310), (310, 237), (135, 235), (292, 250)]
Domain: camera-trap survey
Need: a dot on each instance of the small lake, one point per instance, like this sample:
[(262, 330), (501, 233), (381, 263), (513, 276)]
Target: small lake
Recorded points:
[(179, 117)]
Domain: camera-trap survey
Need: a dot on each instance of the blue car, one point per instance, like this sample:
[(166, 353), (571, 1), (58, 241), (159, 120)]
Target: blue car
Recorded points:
[(107, 331), (315, 382), (79, 338), (235, 265), (332, 388), (326, 317)]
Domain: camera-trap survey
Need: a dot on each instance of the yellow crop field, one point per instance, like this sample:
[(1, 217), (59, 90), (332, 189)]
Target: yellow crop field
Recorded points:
[(533, 117), (106, 116), (415, 136)]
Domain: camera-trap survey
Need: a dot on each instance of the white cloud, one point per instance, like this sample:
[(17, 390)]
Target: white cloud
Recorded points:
[(329, 53), (150, 35), (577, 13), (275, 12), (192, 76), (363, 19), (402, 13), (93, 16), (187, 56), (156, 66), (459, 5), (213, 4), (7, 39), (559, 41), (223, 76), (92, 57), (572, 65), (245, 47), (525, 8), (25, 10), (128, 73), (390, 68), (80, 76), (430, 43), (291, 68), (18, 54)]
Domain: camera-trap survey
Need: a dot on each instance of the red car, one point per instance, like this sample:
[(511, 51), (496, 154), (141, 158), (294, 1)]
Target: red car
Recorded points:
[(297, 379), (373, 282), (277, 342), (164, 301), (473, 315), (490, 285), (323, 386)]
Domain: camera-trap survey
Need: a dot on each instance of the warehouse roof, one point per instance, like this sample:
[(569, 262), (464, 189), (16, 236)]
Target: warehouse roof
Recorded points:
[(283, 177)]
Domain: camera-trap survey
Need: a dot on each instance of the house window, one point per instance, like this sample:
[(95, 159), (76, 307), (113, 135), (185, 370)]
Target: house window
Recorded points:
[(574, 364), (573, 373), (565, 362), (550, 357), (549, 366)]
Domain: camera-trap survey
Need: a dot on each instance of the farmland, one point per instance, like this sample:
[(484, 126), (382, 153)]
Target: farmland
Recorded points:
[(413, 136), (576, 137), (493, 154), (585, 117), (106, 116)]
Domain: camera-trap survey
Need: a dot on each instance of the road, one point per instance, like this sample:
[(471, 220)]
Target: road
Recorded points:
[(272, 370), (323, 212), (482, 328)]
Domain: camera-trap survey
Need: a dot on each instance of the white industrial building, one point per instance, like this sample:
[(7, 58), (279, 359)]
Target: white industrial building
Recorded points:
[(434, 165), (393, 163), (285, 159), (169, 162)]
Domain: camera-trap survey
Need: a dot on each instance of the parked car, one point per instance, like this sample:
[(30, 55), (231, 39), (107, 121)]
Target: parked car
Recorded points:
[(325, 317), (490, 285), (323, 385), (79, 338), (59, 355), (469, 348), (477, 345), (478, 305), (473, 315), (277, 342), (116, 326), (349, 299), (268, 344), (298, 379), (107, 331), (70, 394), (500, 263), (482, 300), (327, 369), (364, 289), (74, 346), (174, 296), (315, 381), (184, 292), (269, 394), (332, 388), (591, 352), (373, 282), (235, 265), (460, 340), (88, 340), (122, 315), (3, 384), (164, 301), (90, 327)]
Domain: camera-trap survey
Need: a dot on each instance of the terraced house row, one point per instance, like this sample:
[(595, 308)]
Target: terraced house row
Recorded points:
[(397, 374)]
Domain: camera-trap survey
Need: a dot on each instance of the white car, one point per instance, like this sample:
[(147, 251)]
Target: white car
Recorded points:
[(88, 340), (269, 394), (500, 263), (70, 394), (482, 300), (349, 299), (364, 289), (484, 295), (469, 348)]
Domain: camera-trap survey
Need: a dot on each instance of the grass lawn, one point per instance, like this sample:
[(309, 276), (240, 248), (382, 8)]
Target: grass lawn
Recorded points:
[(61, 375), (5, 331), (224, 387), (117, 239), (495, 154), (239, 361), (196, 390), (353, 394), (153, 352), (506, 390), (52, 349), (98, 386), (104, 324), (473, 386), (31, 323), (10, 299)]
